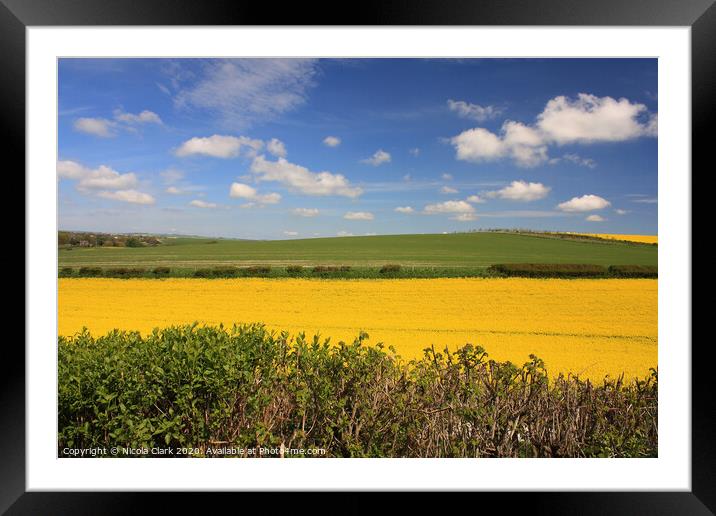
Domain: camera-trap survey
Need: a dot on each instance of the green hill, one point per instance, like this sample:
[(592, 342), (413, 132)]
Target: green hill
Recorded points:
[(452, 250)]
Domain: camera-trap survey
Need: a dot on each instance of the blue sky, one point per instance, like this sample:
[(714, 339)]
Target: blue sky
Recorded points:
[(272, 149)]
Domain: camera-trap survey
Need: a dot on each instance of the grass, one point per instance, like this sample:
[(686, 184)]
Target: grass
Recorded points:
[(469, 251)]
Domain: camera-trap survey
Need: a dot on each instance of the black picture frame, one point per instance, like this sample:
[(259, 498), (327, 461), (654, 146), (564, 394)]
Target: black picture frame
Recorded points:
[(17, 15)]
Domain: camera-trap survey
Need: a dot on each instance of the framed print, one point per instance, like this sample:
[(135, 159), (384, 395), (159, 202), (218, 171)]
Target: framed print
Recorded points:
[(418, 249)]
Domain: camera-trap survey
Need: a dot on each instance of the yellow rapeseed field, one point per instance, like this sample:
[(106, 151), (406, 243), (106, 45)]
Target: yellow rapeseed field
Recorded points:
[(644, 239), (590, 327)]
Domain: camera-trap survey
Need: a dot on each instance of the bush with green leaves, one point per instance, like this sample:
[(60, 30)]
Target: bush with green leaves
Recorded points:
[(201, 387)]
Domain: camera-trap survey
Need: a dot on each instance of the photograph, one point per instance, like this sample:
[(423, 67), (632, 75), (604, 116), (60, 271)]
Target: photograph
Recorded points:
[(359, 257)]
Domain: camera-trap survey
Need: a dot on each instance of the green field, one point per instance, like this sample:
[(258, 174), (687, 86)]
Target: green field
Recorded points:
[(459, 250)]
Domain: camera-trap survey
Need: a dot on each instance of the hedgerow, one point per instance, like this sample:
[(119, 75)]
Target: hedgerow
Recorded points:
[(203, 387)]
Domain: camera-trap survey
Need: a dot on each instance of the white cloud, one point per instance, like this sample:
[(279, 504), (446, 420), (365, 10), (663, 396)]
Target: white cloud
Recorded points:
[(104, 178), (301, 179), (404, 209), (414, 152), (475, 199), (276, 147), (96, 126), (473, 111), (344, 233), (577, 160), (651, 200), (465, 217), (448, 190), (244, 191), (130, 196), (331, 141), (291, 233), (305, 212), (174, 190), (407, 178), (145, 117), (595, 218), (219, 146), (521, 191), (586, 119), (589, 119), (516, 141), (243, 91), (197, 203), (70, 169), (584, 203), (446, 177), (619, 211), (358, 215), (449, 207), (378, 158)]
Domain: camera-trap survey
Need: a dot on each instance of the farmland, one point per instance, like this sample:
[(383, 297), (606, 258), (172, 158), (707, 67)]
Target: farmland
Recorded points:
[(474, 251), (588, 327)]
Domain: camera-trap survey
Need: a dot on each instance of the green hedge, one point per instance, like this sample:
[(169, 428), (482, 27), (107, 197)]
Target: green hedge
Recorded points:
[(634, 271), (548, 270), (245, 387)]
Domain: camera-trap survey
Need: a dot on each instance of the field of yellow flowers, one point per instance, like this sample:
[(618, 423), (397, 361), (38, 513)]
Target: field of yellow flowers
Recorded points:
[(589, 327), (643, 239)]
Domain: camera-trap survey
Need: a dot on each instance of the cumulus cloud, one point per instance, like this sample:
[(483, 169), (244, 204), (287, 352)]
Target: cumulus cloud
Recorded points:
[(473, 111), (448, 190), (521, 191), (446, 177), (449, 207), (276, 147), (619, 211), (404, 209), (241, 92), (586, 119), (244, 191), (475, 199), (331, 141), (378, 158), (174, 190), (301, 179), (358, 215), (589, 119), (291, 233), (70, 169), (344, 233), (595, 218), (95, 126), (584, 203), (415, 152), (130, 196), (305, 212), (464, 217), (171, 176), (220, 146), (516, 141), (145, 117), (197, 203)]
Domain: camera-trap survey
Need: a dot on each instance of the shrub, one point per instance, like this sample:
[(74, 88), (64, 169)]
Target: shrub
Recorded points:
[(390, 268), (161, 271), (257, 270), (224, 272), (634, 271), (325, 270), (203, 273), (247, 387), (134, 242), (548, 270), (90, 271), (67, 271), (123, 272), (294, 270)]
